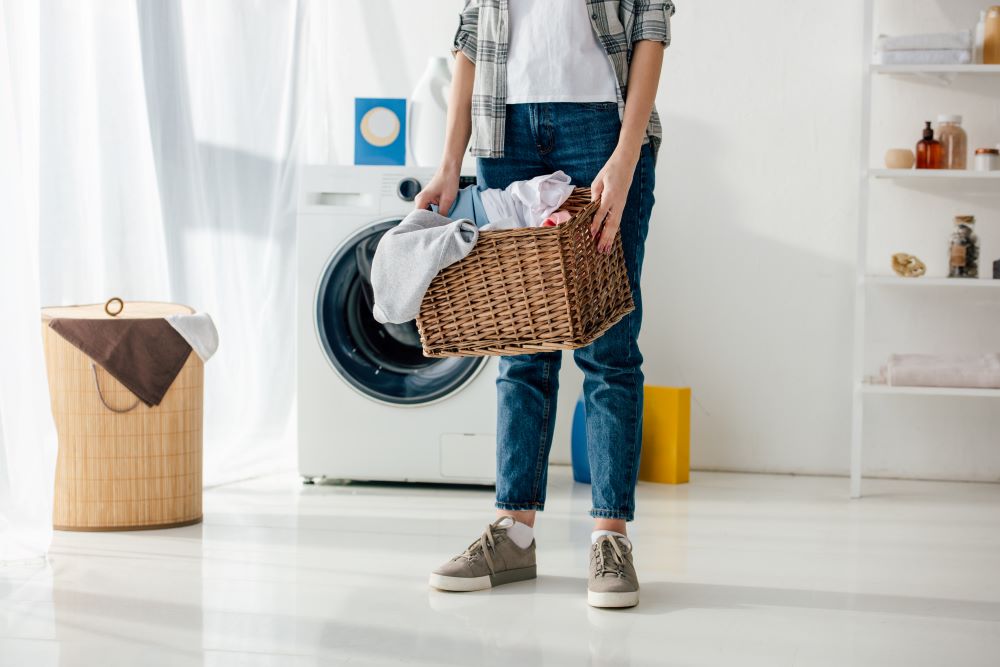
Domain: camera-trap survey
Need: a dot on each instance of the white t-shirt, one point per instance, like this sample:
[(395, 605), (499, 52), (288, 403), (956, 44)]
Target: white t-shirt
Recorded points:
[(554, 54)]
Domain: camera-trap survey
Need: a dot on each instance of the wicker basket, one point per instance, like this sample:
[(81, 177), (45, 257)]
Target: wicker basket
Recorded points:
[(128, 470), (527, 290)]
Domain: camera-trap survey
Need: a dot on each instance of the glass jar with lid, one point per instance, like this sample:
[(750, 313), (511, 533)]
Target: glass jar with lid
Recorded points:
[(987, 159), (963, 249), (954, 142)]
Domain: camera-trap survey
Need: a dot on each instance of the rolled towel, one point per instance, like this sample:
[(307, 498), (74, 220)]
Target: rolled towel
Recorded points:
[(960, 41), (928, 57), (976, 371), (409, 256)]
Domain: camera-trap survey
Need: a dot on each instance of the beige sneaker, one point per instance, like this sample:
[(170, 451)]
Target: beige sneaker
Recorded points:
[(490, 561), (613, 581)]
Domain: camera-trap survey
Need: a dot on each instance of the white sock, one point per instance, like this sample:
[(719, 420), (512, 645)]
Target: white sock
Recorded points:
[(519, 533), (597, 534)]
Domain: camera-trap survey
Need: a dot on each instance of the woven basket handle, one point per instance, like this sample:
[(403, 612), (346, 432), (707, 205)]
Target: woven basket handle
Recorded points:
[(118, 310), (100, 394)]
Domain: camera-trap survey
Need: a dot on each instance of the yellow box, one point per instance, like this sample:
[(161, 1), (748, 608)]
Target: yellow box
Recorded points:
[(666, 435)]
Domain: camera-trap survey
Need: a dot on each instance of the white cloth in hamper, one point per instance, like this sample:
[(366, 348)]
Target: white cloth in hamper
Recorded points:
[(525, 203), (199, 332), (408, 257), (961, 40), (976, 371)]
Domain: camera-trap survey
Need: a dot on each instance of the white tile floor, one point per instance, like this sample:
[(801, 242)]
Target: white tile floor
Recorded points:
[(736, 570)]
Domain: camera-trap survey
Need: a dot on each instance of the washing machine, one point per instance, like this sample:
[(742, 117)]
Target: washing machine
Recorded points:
[(370, 405)]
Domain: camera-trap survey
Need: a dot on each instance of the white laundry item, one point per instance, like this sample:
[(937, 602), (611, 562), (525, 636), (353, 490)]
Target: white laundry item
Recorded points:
[(510, 222), (526, 203), (961, 41), (545, 65), (199, 332), (924, 57)]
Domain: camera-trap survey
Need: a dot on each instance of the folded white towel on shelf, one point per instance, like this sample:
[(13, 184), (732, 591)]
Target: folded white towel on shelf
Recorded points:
[(976, 371), (961, 40), (925, 57)]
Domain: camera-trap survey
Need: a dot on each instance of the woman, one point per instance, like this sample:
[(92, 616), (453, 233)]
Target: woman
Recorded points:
[(540, 87)]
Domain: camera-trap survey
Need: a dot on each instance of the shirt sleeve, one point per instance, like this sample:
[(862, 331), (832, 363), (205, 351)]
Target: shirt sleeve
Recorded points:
[(468, 30), (652, 21)]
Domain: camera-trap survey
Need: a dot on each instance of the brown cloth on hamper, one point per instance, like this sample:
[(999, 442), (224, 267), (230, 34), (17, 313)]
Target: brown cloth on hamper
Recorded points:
[(145, 355)]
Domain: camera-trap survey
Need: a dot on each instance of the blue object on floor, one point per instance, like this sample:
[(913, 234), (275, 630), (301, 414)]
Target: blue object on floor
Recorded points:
[(578, 444)]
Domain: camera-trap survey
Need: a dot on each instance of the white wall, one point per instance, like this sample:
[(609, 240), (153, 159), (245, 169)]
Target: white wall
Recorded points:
[(752, 245), (749, 273)]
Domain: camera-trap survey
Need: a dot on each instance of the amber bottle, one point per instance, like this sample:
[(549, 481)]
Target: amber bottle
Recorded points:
[(991, 37), (930, 154)]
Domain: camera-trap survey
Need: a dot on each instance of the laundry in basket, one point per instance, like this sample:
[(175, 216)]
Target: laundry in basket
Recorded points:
[(527, 290)]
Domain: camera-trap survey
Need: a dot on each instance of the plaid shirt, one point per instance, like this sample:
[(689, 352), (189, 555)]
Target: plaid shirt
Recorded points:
[(482, 36)]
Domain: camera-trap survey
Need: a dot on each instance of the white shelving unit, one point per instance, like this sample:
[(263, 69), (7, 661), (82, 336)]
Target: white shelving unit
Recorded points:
[(886, 390), (935, 69), (988, 182), (925, 282), (936, 174)]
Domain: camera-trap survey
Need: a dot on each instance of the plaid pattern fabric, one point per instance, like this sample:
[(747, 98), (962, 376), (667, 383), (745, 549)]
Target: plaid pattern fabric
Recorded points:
[(482, 36)]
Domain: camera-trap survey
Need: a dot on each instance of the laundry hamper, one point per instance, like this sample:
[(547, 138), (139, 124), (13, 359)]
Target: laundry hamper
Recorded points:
[(122, 465), (527, 290)]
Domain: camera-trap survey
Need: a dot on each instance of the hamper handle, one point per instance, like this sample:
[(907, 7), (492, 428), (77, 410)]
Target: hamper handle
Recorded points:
[(121, 306), (100, 394)]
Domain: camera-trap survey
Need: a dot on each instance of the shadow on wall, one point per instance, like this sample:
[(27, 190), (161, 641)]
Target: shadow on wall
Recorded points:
[(229, 227)]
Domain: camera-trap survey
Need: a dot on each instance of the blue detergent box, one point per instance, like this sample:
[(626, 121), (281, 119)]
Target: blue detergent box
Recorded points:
[(379, 130)]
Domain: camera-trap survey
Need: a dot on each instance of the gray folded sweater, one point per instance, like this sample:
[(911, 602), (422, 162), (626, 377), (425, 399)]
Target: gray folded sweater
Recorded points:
[(409, 256)]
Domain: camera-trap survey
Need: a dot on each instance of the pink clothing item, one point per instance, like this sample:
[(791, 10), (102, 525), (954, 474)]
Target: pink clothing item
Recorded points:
[(557, 218)]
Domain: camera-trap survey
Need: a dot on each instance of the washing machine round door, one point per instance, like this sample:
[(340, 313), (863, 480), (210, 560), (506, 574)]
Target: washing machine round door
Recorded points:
[(382, 361)]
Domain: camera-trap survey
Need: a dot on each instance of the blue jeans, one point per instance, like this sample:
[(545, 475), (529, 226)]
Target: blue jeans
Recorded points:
[(577, 138)]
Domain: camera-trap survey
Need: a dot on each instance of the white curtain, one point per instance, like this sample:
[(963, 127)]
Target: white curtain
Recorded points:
[(27, 435), (168, 174), (155, 145)]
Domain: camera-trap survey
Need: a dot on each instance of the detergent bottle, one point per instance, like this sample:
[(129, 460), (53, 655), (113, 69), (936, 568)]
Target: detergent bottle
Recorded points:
[(429, 114)]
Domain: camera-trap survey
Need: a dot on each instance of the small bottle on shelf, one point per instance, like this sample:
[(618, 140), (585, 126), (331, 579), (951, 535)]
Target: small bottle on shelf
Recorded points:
[(991, 36), (929, 152), (963, 253), (954, 142)]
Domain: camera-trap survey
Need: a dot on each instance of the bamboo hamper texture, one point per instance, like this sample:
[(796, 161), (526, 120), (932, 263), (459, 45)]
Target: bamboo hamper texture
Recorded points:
[(129, 470), (527, 290)]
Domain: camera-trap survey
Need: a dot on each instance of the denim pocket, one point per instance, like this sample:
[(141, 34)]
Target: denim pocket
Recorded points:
[(599, 106)]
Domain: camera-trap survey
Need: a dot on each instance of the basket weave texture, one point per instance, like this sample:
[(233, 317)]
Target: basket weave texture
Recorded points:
[(129, 470), (527, 290)]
